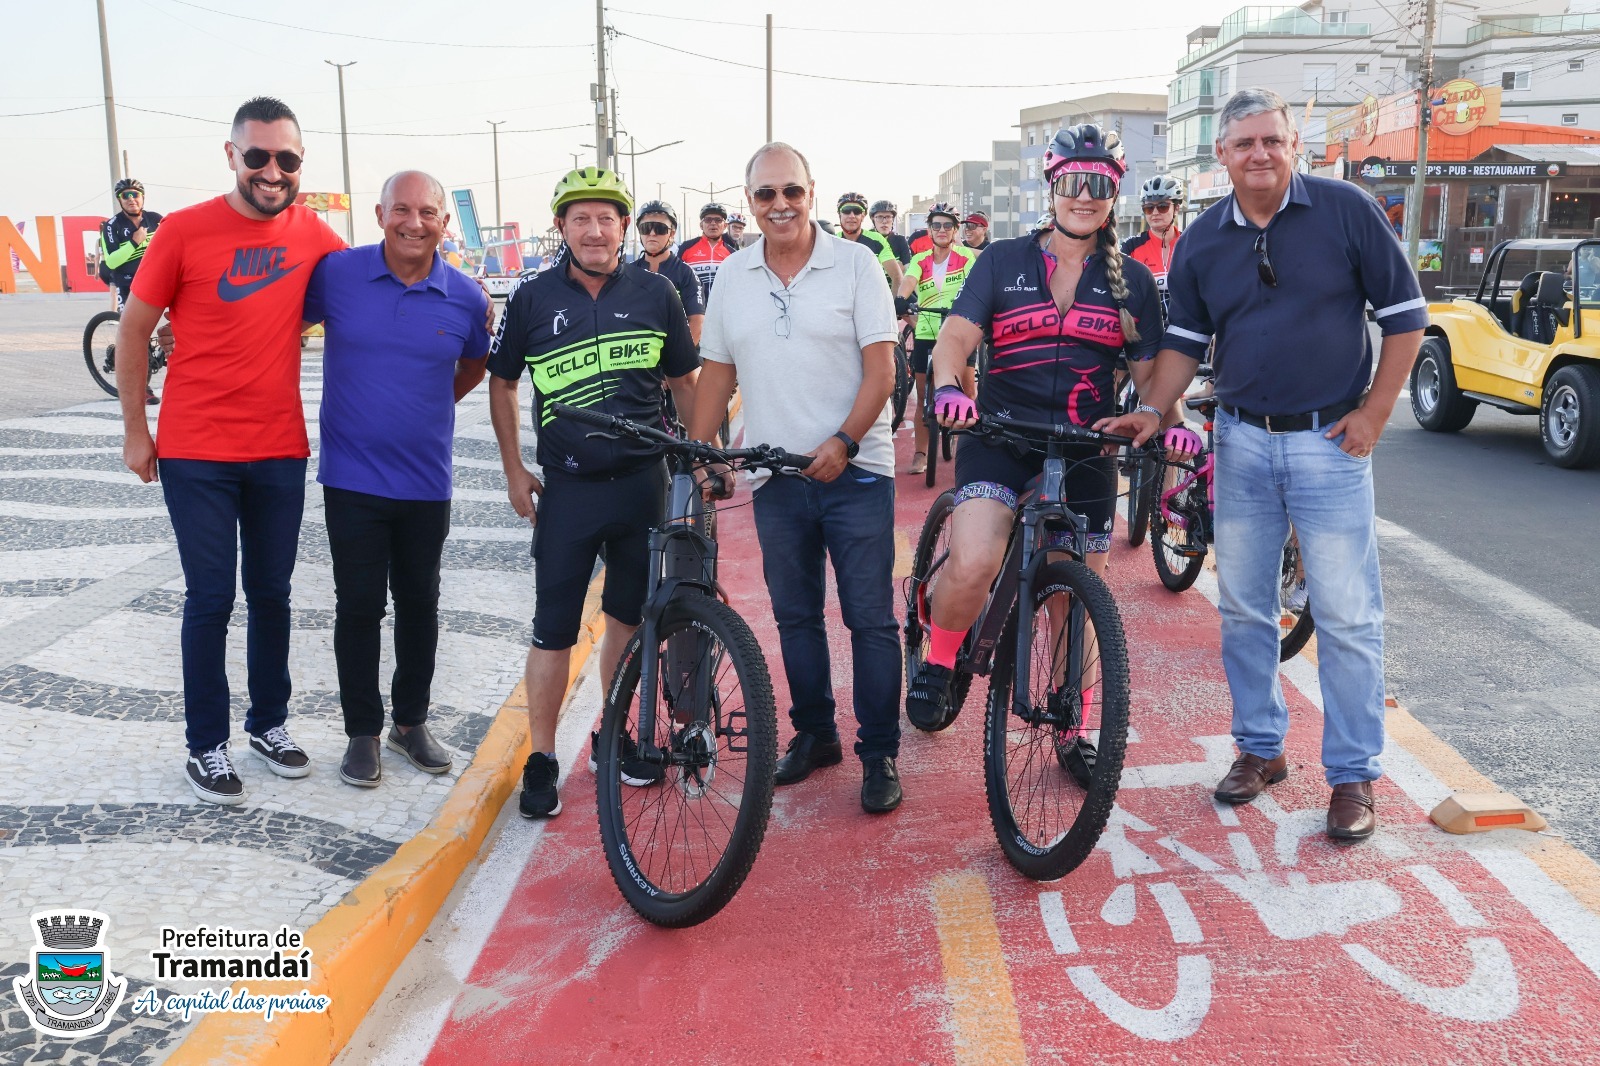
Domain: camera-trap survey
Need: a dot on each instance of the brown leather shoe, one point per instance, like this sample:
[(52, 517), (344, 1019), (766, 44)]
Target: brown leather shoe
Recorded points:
[(1249, 775), (1351, 813)]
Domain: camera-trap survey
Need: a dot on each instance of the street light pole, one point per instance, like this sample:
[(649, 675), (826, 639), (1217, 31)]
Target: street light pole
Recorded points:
[(344, 148), (111, 106), (601, 96), (495, 126), (769, 79)]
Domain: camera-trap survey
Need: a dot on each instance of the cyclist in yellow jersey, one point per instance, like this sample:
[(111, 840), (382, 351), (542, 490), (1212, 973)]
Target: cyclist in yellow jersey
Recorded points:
[(935, 278), (852, 227)]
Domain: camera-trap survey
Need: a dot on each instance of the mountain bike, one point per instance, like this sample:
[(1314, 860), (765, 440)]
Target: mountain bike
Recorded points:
[(692, 696), (100, 350), (938, 436), (1183, 527), (1050, 640)]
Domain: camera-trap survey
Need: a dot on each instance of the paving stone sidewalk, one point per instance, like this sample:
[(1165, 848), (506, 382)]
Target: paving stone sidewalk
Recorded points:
[(94, 809)]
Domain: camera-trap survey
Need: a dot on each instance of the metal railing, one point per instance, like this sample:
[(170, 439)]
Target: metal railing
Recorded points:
[(1542, 25)]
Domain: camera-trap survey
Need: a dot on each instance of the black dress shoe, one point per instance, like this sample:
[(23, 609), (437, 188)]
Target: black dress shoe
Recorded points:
[(362, 765), (880, 785), (425, 753), (805, 754)]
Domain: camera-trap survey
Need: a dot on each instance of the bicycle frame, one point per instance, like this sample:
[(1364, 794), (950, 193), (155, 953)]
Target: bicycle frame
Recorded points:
[(1204, 471)]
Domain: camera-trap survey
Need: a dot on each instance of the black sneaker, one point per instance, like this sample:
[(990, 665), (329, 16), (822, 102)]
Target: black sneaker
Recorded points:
[(539, 796), (928, 698), (212, 777), (1075, 754), (635, 771), (880, 785), (283, 756)]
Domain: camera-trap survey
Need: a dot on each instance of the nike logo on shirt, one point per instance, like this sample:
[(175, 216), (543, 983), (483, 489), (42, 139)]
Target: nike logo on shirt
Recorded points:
[(253, 270)]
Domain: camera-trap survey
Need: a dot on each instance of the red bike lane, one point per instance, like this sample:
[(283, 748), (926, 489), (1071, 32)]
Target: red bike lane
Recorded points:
[(1195, 932)]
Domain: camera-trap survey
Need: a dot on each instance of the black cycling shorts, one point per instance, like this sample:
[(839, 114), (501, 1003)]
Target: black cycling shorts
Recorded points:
[(998, 472), (922, 356), (576, 520)]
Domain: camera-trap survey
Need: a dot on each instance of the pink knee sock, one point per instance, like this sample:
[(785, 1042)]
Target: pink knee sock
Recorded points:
[(1082, 730), (943, 644)]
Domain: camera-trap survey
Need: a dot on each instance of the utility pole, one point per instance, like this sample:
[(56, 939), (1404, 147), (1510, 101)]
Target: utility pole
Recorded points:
[(111, 105), (1413, 227), (495, 126), (601, 96), (614, 142), (344, 148), (769, 79)]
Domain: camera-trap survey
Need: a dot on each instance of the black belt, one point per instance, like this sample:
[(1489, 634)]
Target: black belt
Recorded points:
[(1295, 423)]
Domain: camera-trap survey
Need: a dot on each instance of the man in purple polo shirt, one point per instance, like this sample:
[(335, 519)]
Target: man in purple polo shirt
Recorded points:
[(406, 339)]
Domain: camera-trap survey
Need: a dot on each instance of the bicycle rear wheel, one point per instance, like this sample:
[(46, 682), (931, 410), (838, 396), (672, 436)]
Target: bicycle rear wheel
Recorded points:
[(1143, 477), (100, 349), (1177, 564), (902, 388), (679, 850), (1045, 821), (1295, 624), (933, 546), (936, 439)]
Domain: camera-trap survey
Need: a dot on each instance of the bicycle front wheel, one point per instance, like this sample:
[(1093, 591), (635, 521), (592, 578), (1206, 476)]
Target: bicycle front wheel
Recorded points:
[(1295, 624), (100, 349), (902, 387), (1177, 562), (1049, 797), (680, 848)]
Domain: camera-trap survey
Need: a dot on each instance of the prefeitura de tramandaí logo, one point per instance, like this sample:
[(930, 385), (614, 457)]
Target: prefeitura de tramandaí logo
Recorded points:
[(69, 991)]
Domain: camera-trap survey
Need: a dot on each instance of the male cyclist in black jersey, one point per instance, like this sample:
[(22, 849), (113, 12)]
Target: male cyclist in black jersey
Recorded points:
[(853, 227), (883, 216), (1062, 305), (591, 334), (657, 222), (123, 239)]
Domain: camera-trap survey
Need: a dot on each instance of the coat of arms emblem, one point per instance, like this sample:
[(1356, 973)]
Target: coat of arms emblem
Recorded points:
[(69, 992)]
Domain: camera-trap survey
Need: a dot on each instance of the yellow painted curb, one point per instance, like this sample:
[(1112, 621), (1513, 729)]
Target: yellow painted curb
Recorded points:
[(358, 946)]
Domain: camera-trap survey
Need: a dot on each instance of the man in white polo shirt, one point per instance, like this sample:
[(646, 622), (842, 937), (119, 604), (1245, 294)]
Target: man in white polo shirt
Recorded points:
[(805, 327)]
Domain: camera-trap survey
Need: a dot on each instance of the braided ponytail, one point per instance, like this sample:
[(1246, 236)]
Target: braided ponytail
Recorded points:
[(1119, 285)]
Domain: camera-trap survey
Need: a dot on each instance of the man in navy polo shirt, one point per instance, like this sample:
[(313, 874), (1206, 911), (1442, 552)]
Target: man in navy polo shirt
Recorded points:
[(1278, 275), (407, 337)]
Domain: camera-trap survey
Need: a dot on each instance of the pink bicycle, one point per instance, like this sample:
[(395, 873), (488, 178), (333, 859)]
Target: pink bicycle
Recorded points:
[(1183, 527)]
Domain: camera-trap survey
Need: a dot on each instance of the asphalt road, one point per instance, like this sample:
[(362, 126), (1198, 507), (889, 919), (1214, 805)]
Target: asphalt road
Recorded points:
[(1493, 606)]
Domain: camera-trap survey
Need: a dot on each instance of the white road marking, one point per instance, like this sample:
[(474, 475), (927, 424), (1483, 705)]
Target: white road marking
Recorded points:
[(1054, 913)]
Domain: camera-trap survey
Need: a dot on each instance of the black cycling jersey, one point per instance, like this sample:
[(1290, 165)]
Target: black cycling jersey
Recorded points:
[(118, 254), (899, 246), (683, 279), (610, 354), (1045, 364)]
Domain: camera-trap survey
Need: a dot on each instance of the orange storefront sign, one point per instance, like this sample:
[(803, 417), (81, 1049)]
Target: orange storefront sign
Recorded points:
[(1460, 106)]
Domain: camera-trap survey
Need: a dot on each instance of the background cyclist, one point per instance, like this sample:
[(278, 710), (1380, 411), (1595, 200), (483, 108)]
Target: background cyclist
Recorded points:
[(123, 238), (705, 253), (657, 223), (934, 279), (1161, 198), (1047, 366), (975, 231), (883, 214), (852, 227)]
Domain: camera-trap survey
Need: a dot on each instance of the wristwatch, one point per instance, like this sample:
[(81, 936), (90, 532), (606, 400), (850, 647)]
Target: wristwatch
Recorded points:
[(850, 446), (1146, 409)]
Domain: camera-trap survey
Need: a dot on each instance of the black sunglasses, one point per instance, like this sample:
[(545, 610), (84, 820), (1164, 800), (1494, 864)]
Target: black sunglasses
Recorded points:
[(851, 211), (941, 225), (256, 158), (1269, 277), (654, 229), (766, 194)]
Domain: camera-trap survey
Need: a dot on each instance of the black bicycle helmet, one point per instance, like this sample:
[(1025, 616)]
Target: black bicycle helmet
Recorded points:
[(881, 206), (852, 198), (657, 207), (713, 208), (128, 183), (1084, 144)]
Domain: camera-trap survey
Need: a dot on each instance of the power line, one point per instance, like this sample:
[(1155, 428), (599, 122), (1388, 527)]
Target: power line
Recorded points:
[(57, 111), (368, 37), (356, 133), (893, 33), (870, 81)]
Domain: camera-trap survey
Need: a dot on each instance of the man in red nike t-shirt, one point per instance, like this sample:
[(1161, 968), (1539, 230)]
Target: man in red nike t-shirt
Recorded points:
[(232, 275)]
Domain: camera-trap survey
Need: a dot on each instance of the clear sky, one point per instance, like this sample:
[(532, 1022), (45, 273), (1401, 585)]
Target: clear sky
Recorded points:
[(531, 64)]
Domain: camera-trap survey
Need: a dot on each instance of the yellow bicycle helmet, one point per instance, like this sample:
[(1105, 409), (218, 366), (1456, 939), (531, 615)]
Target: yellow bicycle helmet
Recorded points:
[(591, 183)]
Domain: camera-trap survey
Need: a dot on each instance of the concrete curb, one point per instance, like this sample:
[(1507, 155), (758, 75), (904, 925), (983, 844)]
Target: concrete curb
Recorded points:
[(358, 946)]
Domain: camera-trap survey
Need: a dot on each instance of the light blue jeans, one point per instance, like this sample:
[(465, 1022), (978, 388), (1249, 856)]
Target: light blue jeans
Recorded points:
[(1263, 482)]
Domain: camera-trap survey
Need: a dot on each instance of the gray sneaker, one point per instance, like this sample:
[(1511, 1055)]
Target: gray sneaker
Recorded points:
[(283, 756), (212, 777)]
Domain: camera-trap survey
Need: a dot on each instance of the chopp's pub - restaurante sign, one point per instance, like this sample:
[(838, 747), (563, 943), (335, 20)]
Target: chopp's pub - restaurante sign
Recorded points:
[(1376, 170)]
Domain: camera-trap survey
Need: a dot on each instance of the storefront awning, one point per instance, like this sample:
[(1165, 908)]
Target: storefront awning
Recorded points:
[(1573, 155)]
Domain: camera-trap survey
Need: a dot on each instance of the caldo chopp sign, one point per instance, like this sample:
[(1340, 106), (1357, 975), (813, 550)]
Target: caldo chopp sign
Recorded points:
[(1461, 106)]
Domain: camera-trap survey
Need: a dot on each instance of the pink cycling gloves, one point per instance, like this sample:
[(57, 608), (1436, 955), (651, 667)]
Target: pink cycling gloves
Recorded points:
[(951, 403)]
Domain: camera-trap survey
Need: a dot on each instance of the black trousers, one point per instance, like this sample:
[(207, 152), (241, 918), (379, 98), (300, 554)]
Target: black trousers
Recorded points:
[(382, 546)]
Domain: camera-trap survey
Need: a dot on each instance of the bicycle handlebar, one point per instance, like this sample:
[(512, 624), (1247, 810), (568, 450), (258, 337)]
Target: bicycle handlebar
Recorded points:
[(994, 425), (762, 455)]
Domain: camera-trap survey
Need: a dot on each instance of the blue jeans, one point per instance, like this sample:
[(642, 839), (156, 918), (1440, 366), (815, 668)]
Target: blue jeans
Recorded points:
[(1263, 482), (216, 507), (800, 521)]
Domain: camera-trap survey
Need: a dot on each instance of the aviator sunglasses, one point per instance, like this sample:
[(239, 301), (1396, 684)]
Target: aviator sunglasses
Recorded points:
[(766, 194), (1074, 182), (1269, 277), (256, 158)]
